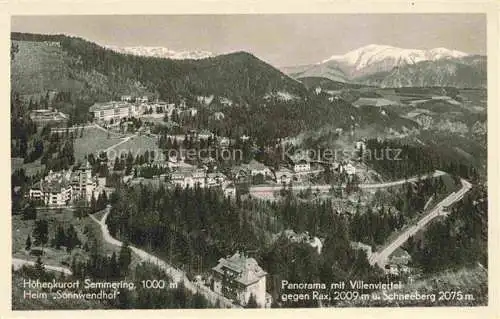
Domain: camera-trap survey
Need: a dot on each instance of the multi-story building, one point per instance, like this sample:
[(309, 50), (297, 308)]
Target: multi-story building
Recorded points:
[(229, 190), (108, 111), (61, 188), (348, 168), (256, 168), (205, 135), (189, 177), (283, 175), (223, 142), (300, 162), (238, 277), (360, 145), (83, 183), (44, 116), (143, 99), (301, 166), (215, 179), (53, 190)]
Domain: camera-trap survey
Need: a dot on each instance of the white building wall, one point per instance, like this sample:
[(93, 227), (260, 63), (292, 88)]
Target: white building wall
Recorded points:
[(257, 289), (302, 167)]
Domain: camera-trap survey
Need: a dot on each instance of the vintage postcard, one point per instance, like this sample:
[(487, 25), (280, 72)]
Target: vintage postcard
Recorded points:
[(187, 161)]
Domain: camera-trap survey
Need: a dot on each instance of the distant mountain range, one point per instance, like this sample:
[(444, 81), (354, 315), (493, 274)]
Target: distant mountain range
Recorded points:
[(161, 52), (466, 72), (384, 65), (61, 63)]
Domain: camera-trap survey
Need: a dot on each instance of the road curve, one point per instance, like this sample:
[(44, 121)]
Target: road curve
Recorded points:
[(177, 275), (18, 263), (327, 187), (380, 258)]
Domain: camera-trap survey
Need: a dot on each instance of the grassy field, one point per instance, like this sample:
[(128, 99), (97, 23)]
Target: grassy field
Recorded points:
[(42, 66), (138, 145), (85, 227), (57, 257), (93, 141)]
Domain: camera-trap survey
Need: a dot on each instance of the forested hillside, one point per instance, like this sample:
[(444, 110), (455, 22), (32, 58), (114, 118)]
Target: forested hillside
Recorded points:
[(196, 227), (63, 62)]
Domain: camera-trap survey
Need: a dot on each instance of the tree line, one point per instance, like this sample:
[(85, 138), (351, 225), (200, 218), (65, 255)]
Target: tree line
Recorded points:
[(193, 228)]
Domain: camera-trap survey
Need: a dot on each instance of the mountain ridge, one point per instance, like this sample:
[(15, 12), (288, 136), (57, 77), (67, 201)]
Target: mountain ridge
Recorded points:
[(161, 52), (375, 53), (100, 71), (371, 64)]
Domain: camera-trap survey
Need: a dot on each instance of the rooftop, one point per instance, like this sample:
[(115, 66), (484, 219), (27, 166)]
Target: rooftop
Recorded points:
[(108, 106), (247, 270), (54, 186), (216, 174), (300, 157), (284, 170), (254, 165), (205, 132), (182, 172), (400, 253)]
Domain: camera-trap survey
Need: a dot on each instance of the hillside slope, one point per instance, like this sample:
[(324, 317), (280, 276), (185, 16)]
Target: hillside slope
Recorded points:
[(39, 67), (62, 63), (161, 52), (387, 66), (375, 58), (331, 72), (468, 72)]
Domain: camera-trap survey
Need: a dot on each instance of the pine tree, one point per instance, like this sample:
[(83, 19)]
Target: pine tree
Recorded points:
[(30, 212), (252, 302), (71, 240), (93, 204), (124, 300), (124, 259), (41, 232), (28, 243), (60, 239), (199, 302), (114, 267), (39, 267)]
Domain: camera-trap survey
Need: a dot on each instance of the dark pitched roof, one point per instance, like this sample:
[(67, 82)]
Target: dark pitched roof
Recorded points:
[(246, 269)]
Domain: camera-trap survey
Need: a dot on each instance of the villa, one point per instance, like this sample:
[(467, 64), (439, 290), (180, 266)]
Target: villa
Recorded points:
[(238, 277)]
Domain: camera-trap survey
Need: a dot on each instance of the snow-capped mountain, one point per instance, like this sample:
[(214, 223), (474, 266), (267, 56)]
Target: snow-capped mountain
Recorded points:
[(375, 58), (368, 60), (161, 52), (466, 72)]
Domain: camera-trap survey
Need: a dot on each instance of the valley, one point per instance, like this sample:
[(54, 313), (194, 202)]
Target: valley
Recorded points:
[(224, 176)]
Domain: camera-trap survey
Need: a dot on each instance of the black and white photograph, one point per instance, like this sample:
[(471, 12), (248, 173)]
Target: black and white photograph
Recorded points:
[(195, 161)]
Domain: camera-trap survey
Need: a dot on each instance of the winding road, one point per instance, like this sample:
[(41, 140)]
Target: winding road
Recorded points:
[(327, 187), (174, 273), (380, 257)]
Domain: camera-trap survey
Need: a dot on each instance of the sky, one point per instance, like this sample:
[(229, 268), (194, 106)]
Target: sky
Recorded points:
[(282, 40)]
